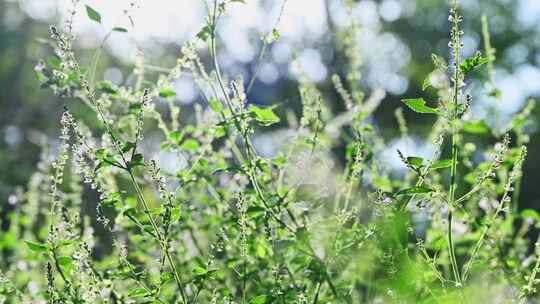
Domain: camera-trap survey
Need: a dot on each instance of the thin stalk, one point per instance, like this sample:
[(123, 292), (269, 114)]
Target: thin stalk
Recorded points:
[(480, 242), (532, 280), (97, 55), (263, 50), (244, 291), (162, 241), (512, 178), (135, 184), (60, 271), (249, 149), (317, 291), (116, 143), (455, 133), (257, 66), (488, 49)]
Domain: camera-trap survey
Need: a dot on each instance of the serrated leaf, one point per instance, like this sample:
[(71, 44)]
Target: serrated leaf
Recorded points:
[(415, 190), (419, 106), (93, 14), (265, 116), (472, 63), (440, 164)]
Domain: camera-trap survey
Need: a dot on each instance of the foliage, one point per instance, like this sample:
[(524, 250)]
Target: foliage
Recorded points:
[(232, 226)]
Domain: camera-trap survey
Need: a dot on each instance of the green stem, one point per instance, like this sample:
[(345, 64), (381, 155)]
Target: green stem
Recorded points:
[(249, 149), (455, 133), (161, 240), (90, 95)]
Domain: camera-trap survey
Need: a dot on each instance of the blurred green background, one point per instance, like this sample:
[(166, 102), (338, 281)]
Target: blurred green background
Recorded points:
[(396, 40)]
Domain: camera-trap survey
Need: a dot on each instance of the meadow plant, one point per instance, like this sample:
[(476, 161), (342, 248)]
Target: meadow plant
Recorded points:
[(309, 225)]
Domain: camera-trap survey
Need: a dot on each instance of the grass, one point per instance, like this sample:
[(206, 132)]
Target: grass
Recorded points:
[(233, 226)]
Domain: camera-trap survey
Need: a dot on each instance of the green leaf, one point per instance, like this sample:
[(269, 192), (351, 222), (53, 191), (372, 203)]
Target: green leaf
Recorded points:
[(440, 164), (176, 137), (166, 92), (63, 243), (215, 105), (519, 121), (93, 14), (427, 81), (419, 106), (383, 183), (167, 277), (176, 213), (262, 299), (128, 146), (415, 161), (105, 159), (131, 202), (415, 190), (37, 247), (475, 127), (220, 131), (130, 212), (303, 238), (119, 29), (265, 116), (106, 87), (138, 292), (530, 213), (472, 63), (205, 32), (112, 199), (190, 144), (65, 261), (136, 160), (199, 271)]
